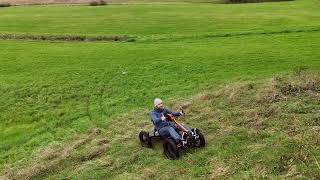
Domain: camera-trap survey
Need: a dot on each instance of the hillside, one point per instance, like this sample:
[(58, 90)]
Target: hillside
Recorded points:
[(267, 128), (77, 83)]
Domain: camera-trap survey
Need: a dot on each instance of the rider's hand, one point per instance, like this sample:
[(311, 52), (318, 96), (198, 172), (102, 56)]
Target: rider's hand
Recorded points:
[(162, 118)]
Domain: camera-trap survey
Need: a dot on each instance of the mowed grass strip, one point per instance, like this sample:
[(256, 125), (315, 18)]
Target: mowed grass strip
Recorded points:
[(156, 21), (53, 91)]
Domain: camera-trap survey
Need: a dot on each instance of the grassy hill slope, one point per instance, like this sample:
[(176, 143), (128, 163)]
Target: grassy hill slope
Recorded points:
[(53, 93), (266, 128)]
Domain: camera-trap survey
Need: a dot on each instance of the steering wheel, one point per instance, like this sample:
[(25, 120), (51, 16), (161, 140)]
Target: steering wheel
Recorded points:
[(169, 117)]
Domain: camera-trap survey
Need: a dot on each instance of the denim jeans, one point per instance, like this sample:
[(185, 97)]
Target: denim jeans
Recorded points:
[(172, 131), (177, 129)]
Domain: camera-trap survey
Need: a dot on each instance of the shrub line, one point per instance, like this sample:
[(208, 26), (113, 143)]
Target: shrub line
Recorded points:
[(101, 38), (79, 38)]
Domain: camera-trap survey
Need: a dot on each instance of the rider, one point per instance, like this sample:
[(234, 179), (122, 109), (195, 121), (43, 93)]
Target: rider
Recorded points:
[(164, 127)]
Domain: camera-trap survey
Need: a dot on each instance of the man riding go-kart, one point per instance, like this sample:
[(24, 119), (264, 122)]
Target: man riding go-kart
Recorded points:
[(175, 135)]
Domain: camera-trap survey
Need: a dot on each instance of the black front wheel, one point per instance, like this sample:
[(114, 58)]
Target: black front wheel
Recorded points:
[(145, 139), (170, 149), (200, 140)]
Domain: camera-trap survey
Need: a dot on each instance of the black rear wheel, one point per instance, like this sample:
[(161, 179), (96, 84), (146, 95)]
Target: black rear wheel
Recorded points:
[(170, 149), (202, 140), (145, 139)]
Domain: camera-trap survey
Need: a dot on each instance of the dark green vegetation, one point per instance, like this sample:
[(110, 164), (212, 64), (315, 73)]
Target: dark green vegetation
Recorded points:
[(52, 94), (5, 5), (61, 38), (97, 3), (252, 1)]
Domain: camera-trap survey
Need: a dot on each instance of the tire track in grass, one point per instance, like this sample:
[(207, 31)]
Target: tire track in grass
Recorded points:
[(221, 35)]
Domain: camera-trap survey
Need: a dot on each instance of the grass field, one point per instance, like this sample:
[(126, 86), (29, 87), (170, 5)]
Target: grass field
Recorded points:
[(86, 2), (212, 58), (162, 21)]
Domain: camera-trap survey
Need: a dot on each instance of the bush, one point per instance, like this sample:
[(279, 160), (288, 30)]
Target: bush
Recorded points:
[(98, 3), (252, 1), (5, 5)]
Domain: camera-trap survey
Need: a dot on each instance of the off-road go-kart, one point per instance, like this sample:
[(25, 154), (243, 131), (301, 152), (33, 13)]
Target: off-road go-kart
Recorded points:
[(170, 148)]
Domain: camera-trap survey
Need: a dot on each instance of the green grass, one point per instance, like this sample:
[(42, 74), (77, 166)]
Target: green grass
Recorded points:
[(150, 21), (52, 93)]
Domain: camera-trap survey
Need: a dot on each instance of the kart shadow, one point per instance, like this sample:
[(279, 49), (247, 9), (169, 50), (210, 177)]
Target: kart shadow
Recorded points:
[(157, 144)]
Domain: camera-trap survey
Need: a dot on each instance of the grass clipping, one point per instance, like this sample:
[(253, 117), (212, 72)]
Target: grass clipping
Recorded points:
[(55, 157)]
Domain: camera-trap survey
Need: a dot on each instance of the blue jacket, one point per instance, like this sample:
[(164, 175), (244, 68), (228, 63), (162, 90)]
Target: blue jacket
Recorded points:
[(156, 115)]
